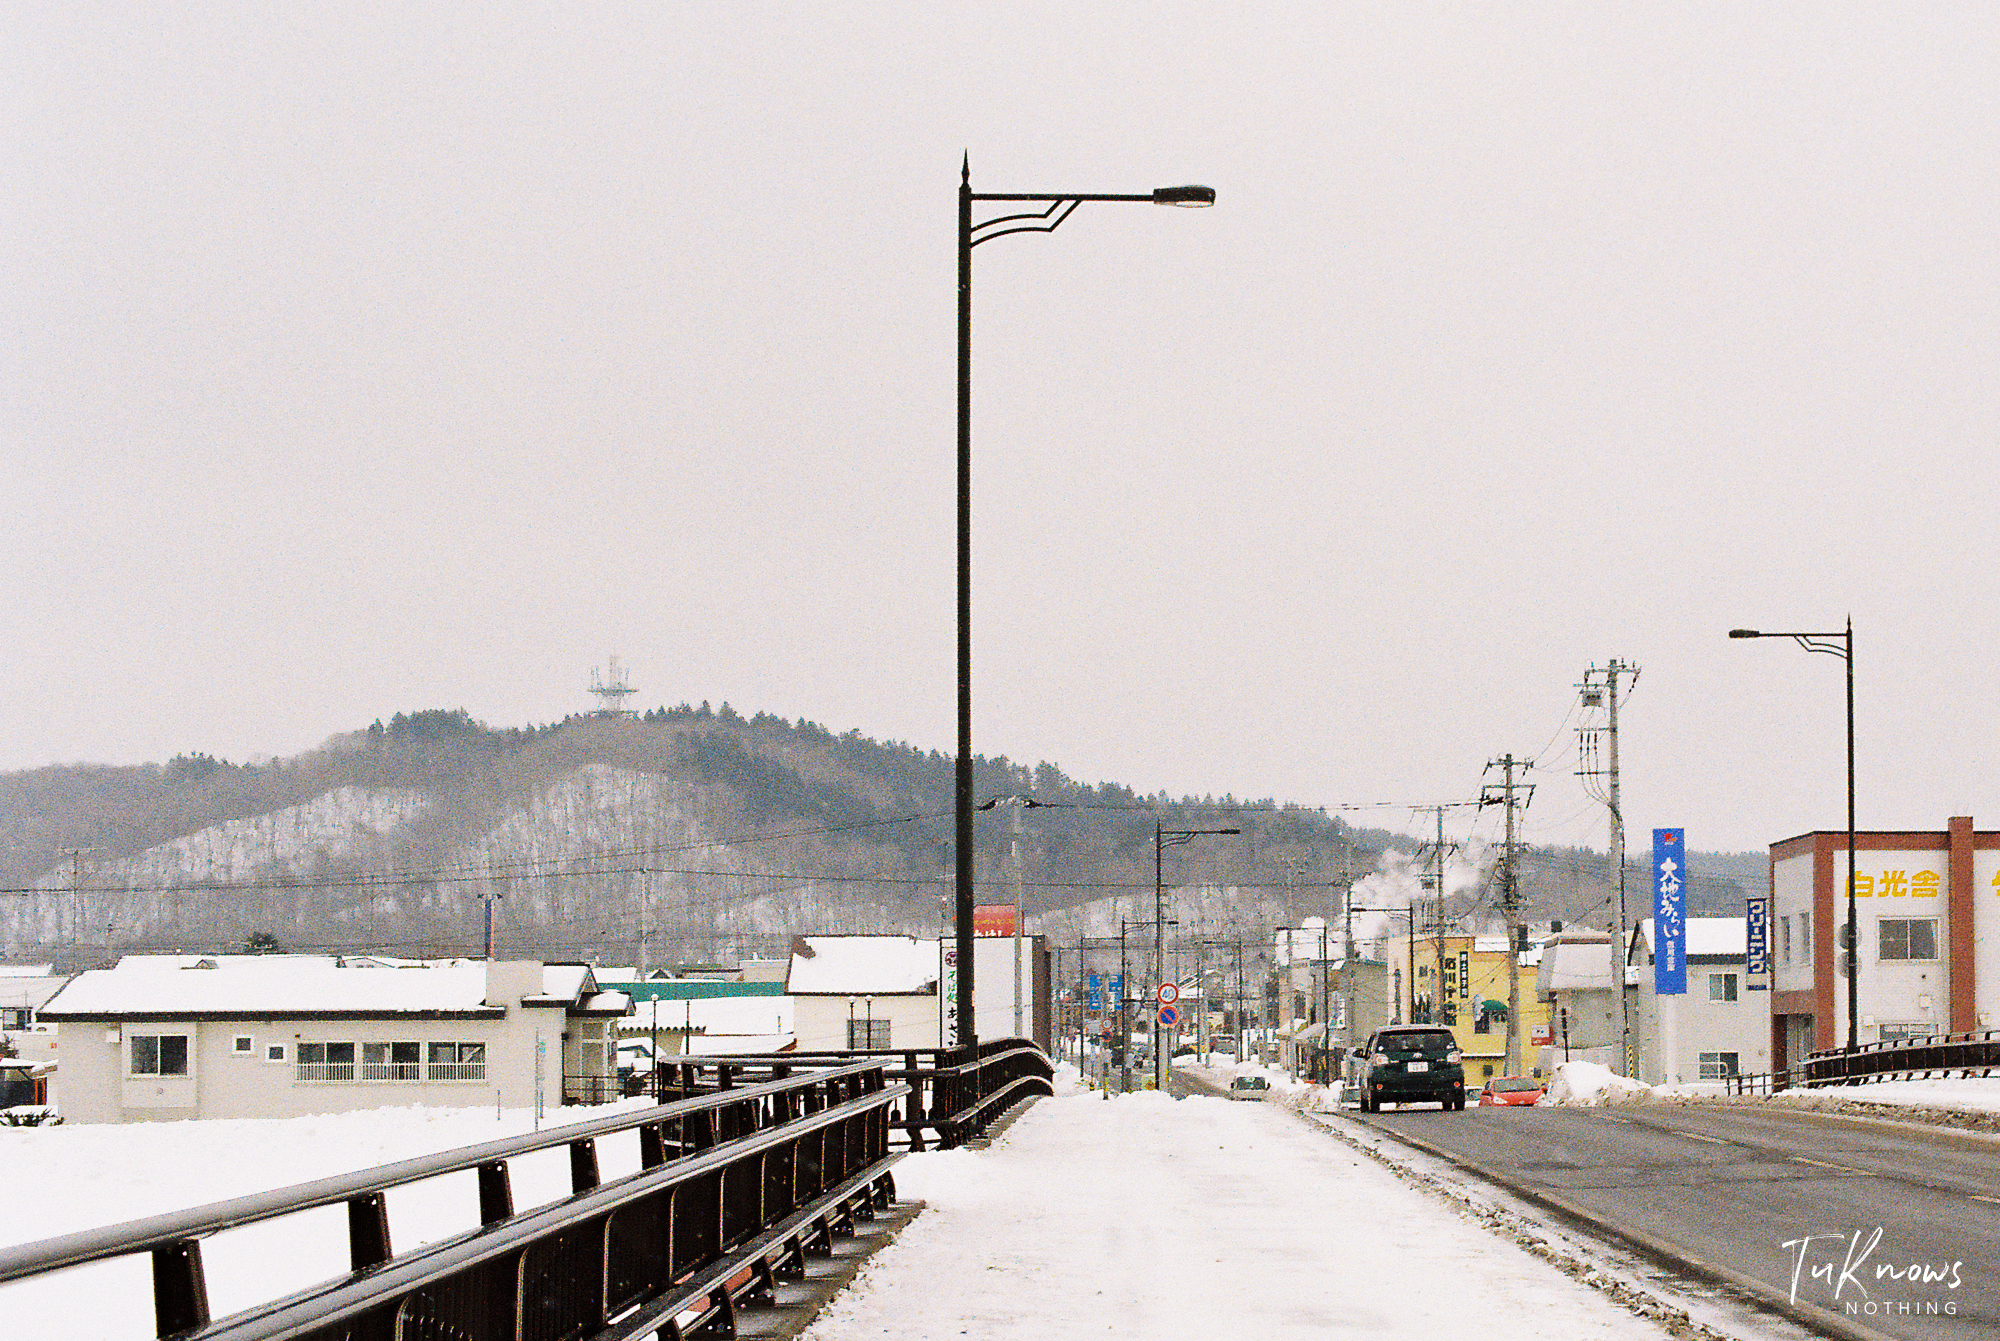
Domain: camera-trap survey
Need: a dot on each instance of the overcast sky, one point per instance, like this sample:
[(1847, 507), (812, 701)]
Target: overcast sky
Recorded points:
[(369, 358)]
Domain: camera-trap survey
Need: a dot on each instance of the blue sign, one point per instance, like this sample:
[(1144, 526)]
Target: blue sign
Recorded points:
[(1757, 927), (1118, 987), (1670, 970), (1094, 997)]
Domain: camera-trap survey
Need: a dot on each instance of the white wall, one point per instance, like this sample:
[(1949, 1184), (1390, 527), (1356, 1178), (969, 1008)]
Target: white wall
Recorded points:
[(1699, 1024), (820, 1022), (1791, 895)]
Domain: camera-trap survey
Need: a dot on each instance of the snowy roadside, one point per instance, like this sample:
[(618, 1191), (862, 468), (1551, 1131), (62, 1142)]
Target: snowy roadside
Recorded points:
[(1971, 1104)]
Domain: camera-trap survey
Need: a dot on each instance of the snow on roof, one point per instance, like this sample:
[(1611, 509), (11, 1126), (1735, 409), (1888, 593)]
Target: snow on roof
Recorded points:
[(269, 984), (1721, 937), (565, 980), (858, 965), (25, 970), (1576, 963)]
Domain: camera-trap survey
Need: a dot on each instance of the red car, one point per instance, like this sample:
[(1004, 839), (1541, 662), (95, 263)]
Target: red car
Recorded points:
[(1510, 1092)]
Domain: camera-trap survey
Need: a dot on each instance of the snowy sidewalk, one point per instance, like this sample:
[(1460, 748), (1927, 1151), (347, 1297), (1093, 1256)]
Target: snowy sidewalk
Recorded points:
[(1143, 1216)]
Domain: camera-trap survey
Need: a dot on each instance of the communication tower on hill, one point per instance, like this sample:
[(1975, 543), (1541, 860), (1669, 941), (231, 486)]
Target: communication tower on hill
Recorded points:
[(611, 688)]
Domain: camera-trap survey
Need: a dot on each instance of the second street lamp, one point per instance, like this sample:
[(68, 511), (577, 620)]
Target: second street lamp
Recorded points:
[(970, 235), (1838, 645)]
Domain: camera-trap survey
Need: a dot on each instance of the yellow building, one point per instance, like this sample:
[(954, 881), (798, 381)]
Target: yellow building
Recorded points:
[(1474, 997)]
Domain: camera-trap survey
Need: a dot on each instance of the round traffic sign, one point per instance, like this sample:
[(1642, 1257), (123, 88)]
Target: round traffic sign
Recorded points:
[(1169, 1016), (1170, 992)]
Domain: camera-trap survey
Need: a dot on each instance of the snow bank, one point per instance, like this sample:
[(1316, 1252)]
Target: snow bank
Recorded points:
[(1587, 1084)]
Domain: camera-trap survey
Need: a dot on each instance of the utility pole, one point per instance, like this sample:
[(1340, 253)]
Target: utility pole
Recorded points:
[(1436, 1013), (1510, 898), (1162, 839), (1346, 951), (1600, 689)]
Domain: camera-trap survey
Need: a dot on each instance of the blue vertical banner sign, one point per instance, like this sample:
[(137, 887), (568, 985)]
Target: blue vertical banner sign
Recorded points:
[(1757, 942), (1096, 992), (1670, 969)]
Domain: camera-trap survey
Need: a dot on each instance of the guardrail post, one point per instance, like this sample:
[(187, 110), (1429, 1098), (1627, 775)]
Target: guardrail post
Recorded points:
[(496, 1193), (582, 1166), (180, 1290), (368, 1231)]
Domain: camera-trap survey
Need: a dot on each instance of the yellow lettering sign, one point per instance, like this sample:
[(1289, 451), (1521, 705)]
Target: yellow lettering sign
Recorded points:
[(1864, 886), (1895, 885), (1924, 885)]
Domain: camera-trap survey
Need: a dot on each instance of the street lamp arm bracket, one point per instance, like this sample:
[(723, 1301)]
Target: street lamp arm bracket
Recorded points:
[(1047, 221), (1812, 643)]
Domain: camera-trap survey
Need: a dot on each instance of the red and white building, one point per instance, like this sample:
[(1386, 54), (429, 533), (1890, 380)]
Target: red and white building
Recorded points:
[(1927, 912)]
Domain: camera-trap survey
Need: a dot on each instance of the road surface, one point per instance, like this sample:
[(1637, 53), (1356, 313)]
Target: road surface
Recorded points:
[(1893, 1226)]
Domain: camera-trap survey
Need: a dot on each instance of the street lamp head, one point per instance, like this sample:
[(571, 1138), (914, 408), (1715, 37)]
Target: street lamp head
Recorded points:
[(1189, 197), (1745, 633)]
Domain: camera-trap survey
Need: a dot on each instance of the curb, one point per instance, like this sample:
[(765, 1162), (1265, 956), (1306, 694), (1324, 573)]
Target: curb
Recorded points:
[(1756, 1291), (798, 1304)]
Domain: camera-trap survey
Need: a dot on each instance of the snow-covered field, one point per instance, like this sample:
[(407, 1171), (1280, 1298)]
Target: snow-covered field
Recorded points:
[(54, 1180)]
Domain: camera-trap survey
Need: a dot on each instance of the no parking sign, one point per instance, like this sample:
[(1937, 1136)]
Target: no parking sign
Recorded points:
[(1169, 1016)]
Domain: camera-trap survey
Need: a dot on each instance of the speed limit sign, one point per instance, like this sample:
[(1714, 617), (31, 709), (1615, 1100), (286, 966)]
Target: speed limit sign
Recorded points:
[(1169, 993)]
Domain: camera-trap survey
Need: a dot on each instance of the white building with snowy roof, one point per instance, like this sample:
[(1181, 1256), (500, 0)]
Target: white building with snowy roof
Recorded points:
[(165, 1037), (897, 991), (1720, 1027)]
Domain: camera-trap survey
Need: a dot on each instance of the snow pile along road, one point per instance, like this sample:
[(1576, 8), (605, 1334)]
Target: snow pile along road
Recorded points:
[(1144, 1216), (1590, 1085)]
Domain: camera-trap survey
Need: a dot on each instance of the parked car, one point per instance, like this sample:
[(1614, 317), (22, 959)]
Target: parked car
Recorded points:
[(1411, 1062), (1510, 1092), (1248, 1087)]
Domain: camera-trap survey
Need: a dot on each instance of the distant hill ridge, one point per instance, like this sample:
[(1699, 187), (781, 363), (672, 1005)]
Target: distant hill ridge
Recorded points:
[(685, 832)]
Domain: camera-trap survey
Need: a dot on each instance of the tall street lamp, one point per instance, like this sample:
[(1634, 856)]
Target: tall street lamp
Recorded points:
[(1838, 645), (1165, 838), (969, 236)]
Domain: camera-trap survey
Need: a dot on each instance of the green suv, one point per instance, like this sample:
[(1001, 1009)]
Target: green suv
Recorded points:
[(1411, 1062)]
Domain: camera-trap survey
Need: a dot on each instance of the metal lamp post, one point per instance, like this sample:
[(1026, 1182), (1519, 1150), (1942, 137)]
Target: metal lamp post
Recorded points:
[(1838, 645), (1059, 208), (1162, 839)]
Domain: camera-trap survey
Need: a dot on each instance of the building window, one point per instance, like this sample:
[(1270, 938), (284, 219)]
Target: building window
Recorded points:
[(867, 1033), (159, 1054), (1785, 939), (1718, 1065), (458, 1061), (391, 1061), (274, 1052), (326, 1061), (12, 1017), (243, 1045), (1906, 938), (1805, 938), (1897, 1033), (1722, 987)]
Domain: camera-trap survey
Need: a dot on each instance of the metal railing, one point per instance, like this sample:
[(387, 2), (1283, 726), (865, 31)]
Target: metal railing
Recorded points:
[(952, 1097), (735, 1188), (1933, 1057)]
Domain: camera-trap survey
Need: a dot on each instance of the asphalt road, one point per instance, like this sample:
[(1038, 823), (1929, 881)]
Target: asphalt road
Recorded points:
[(1740, 1188)]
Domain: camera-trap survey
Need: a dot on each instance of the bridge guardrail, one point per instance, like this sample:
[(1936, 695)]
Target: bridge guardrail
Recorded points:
[(952, 1096), (735, 1188), (1937, 1055)]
